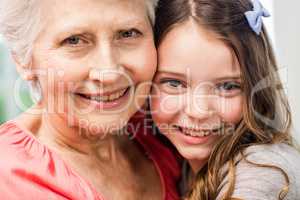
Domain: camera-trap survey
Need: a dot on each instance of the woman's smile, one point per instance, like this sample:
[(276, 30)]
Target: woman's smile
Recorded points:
[(107, 100)]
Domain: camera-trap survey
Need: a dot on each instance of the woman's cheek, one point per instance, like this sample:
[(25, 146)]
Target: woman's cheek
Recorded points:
[(141, 62)]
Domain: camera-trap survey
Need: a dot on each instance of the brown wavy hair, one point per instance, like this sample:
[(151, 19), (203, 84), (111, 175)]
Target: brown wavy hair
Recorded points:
[(266, 113)]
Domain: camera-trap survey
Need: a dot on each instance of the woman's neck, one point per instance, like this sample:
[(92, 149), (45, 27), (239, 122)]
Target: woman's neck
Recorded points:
[(53, 131)]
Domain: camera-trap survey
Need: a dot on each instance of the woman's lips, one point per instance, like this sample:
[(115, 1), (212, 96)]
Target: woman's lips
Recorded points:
[(107, 100)]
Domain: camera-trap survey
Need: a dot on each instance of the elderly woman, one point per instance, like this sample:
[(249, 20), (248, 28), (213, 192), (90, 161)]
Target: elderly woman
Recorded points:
[(89, 64)]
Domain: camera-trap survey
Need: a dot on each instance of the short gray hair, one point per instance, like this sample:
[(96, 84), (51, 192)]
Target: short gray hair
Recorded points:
[(151, 5), (20, 24)]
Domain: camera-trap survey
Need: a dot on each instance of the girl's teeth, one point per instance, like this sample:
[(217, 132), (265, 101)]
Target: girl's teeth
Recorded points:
[(194, 133)]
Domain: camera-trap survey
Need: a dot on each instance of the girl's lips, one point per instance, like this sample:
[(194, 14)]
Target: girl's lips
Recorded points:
[(198, 131), (193, 137), (109, 102)]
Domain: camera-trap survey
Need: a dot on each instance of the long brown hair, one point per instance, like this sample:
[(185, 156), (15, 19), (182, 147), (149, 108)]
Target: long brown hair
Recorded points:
[(266, 113)]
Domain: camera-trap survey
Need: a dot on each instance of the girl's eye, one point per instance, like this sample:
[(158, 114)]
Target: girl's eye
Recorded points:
[(132, 33), (172, 86), (173, 83), (229, 88)]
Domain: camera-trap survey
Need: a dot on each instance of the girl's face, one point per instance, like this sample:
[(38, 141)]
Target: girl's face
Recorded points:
[(95, 60), (197, 91)]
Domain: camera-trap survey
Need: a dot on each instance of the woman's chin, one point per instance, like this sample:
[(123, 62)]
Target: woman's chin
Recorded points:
[(95, 124)]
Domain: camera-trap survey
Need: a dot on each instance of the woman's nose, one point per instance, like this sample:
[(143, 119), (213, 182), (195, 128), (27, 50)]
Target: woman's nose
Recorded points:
[(107, 75), (106, 66)]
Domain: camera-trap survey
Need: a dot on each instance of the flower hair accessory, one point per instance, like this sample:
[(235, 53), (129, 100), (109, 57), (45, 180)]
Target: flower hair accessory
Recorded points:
[(254, 17)]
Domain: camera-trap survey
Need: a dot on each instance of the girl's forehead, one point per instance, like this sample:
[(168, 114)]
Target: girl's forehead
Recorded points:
[(196, 53), (194, 75)]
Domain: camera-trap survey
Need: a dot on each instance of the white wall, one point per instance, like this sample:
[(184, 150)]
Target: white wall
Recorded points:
[(287, 39), (284, 29), (269, 22)]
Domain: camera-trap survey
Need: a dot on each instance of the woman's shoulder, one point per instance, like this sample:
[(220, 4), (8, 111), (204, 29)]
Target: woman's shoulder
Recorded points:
[(14, 136), (30, 170), (10, 134), (265, 171), (18, 149)]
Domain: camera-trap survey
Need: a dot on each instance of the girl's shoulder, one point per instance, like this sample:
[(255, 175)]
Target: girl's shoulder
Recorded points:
[(280, 154), (276, 167)]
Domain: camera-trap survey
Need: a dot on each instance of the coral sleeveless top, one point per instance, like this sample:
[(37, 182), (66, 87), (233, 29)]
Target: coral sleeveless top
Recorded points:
[(29, 170)]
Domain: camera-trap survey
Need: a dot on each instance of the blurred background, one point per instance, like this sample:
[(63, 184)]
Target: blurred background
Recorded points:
[(282, 28)]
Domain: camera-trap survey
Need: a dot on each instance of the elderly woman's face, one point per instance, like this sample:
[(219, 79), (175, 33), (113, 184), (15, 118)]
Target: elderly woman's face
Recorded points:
[(99, 56)]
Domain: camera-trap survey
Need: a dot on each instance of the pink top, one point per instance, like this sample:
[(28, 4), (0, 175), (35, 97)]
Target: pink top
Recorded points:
[(29, 170)]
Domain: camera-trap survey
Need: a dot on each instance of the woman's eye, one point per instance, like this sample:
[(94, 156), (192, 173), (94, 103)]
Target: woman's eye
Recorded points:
[(132, 33), (73, 41), (229, 88)]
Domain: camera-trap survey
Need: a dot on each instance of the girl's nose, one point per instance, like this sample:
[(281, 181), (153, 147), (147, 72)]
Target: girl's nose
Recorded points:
[(199, 107)]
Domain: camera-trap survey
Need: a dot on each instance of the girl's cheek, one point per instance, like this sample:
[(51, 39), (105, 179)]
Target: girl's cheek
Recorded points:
[(230, 109), (164, 107)]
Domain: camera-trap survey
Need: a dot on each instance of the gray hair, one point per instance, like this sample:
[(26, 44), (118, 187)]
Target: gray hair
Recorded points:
[(151, 5), (20, 25)]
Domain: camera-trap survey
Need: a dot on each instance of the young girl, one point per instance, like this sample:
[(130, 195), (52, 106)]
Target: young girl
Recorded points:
[(217, 97)]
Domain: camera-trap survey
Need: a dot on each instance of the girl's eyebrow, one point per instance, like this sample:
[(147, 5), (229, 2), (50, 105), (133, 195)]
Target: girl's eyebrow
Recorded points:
[(233, 76), (171, 73), (228, 77)]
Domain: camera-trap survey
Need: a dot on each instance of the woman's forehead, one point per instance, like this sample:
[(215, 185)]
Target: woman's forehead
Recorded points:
[(115, 10), (73, 15)]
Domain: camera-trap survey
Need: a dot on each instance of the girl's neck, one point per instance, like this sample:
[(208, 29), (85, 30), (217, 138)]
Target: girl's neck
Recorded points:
[(196, 165)]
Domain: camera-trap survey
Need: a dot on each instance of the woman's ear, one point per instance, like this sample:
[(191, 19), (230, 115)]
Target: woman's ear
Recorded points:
[(24, 70)]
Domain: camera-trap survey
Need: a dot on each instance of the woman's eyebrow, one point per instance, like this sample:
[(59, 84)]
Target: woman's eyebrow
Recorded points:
[(72, 29), (131, 22), (78, 28)]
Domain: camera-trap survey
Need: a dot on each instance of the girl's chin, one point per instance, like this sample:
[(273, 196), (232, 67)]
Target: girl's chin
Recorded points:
[(195, 154)]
